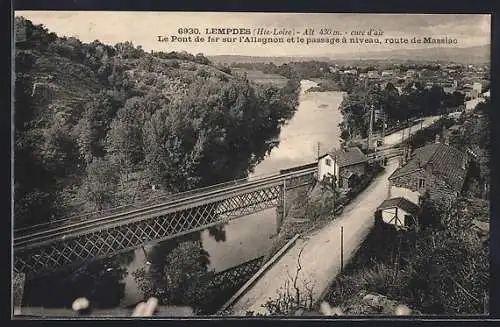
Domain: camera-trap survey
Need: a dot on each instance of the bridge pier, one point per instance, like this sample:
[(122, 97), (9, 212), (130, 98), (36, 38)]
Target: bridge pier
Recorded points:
[(45, 251), (18, 281), (281, 208), (287, 198), (279, 218)]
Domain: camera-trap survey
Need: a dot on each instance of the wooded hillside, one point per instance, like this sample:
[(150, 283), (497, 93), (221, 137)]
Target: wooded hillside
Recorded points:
[(97, 125)]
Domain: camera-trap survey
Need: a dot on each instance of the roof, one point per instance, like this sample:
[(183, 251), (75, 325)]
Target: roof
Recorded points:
[(441, 160), (346, 174), (401, 203), (347, 156)]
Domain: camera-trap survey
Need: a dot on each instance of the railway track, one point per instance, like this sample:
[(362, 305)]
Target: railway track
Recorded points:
[(79, 225), (176, 203)]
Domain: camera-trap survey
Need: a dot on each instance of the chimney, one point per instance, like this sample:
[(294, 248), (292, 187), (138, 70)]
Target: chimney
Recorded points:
[(437, 139)]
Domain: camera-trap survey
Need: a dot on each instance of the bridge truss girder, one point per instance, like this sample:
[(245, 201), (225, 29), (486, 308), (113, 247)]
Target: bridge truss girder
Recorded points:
[(37, 259)]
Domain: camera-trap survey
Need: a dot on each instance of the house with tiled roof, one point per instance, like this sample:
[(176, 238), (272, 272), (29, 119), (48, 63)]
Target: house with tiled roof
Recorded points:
[(437, 168), (345, 164)]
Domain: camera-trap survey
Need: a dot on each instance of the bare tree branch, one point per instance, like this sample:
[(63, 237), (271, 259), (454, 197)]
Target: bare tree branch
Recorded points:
[(299, 268)]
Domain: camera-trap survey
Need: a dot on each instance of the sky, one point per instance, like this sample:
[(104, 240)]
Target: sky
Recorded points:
[(143, 28)]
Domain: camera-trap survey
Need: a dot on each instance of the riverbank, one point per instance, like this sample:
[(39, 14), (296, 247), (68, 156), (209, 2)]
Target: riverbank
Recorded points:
[(293, 152), (321, 249), (325, 85), (441, 268), (114, 150), (111, 283)]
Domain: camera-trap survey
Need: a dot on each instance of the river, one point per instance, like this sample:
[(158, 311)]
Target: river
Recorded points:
[(315, 122)]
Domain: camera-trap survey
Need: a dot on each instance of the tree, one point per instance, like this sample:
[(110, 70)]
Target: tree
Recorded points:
[(57, 148), (434, 101), (391, 103), (90, 131), (449, 271), (167, 157), (102, 282), (124, 138), (429, 215), (151, 116), (179, 278), (100, 183), (127, 50)]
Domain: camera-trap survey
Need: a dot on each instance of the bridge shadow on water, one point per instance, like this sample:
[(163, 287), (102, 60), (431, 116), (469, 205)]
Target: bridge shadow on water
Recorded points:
[(178, 274), (177, 271)]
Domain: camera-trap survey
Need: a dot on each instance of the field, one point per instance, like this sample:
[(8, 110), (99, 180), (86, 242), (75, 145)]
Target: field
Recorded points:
[(259, 77)]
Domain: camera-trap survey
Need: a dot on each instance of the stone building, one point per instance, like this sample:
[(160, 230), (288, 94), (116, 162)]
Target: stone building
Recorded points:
[(437, 168)]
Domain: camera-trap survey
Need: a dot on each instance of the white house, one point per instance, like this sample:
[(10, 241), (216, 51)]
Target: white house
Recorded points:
[(398, 212), (351, 71), (411, 73), (387, 73), (373, 74), (344, 164), (476, 89)]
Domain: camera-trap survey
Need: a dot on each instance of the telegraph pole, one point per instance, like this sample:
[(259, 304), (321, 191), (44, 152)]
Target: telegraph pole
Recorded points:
[(485, 303), (370, 129), (318, 150), (145, 256), (334, 182), (341, 249), (384, 119)]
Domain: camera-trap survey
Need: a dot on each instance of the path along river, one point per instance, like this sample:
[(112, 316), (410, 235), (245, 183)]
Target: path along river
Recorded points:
[(316, 120)]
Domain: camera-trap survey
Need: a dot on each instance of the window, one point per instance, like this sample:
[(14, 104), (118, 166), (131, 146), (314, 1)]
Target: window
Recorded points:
[(421, 183), (328, 162)]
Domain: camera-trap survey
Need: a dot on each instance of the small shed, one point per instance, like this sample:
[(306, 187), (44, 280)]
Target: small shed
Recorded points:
[(347, 179), (399, 212)]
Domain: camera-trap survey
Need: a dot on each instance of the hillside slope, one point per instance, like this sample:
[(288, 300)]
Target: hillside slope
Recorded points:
[(97, 125)]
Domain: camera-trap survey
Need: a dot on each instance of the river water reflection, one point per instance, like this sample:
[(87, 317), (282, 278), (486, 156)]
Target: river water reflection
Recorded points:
[(315, 121)]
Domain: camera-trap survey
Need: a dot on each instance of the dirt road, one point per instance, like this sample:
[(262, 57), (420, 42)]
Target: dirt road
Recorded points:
[(396, 137), (320, 258)]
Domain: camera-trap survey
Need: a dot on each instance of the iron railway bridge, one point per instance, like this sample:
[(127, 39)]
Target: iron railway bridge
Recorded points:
[(43, 249)]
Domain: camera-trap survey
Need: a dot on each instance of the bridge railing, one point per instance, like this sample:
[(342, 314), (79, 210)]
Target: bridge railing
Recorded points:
[(65, 245), (156, 200)]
